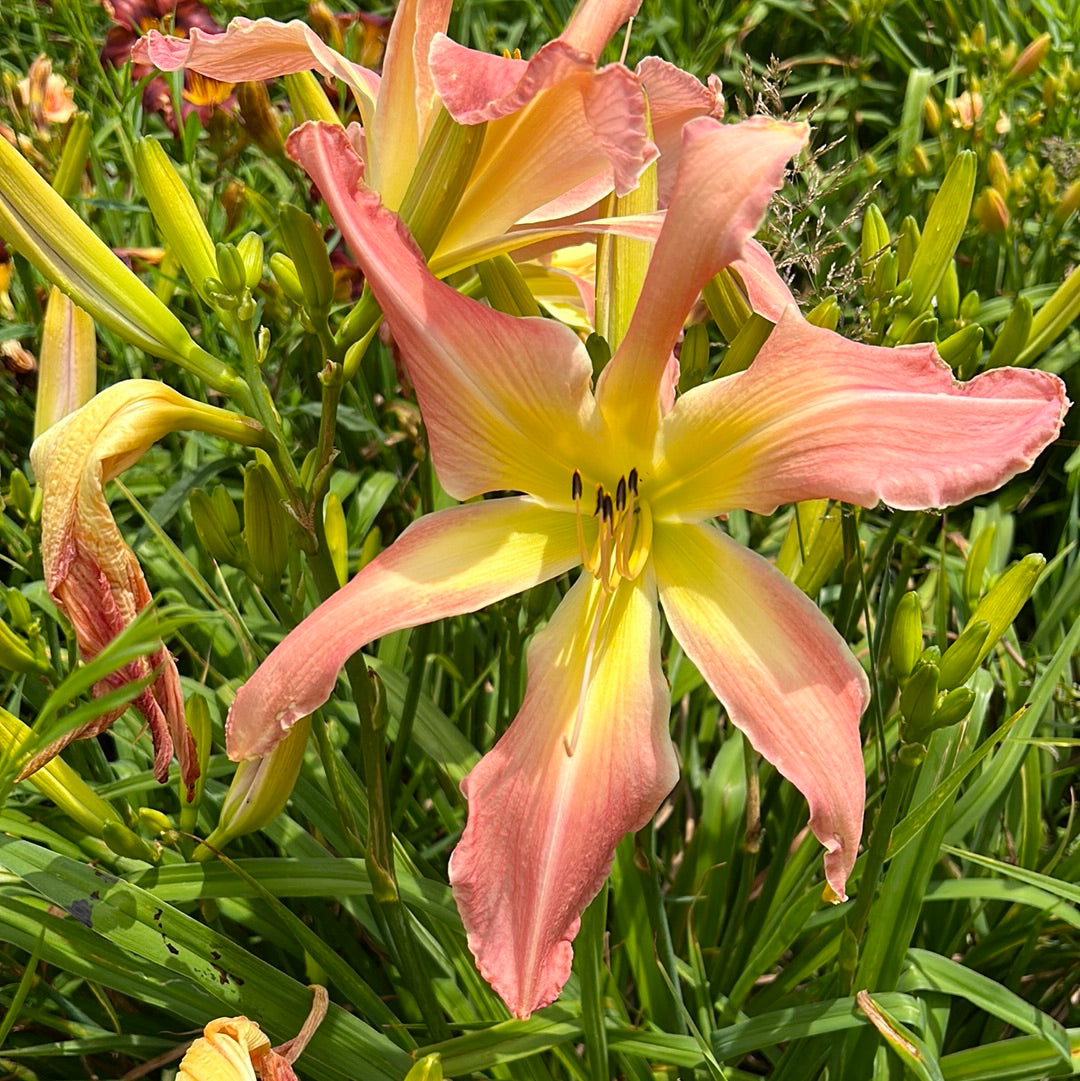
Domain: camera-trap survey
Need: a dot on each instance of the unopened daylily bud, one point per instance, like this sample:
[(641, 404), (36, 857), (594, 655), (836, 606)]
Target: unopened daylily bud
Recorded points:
[(961, 350), (67, 369), (429, 1068), (907, 242), (17, 655), (337, 536), (969, 306), (58, 782), (727, 304), (948, 294), (304, 242), (875, 238), (826, 314), (931, 115), (231, 272), (201, 727), (961, 659), (955, 706), (978, 558), (233, 200), (309, 100), (693, 357), (991, 212), (505, 288), (1068, 203), (128, 844), (72, 165), (905, 637), (260, 120), (214, 534), (1030, 60), (1014, 335), (826, 551), (1052, 319), (179, 221), (155, 821), (918, 699), (266, 525), (20, 494), (259, 791), (885, 279), (920, 160), (998, 172), (442, 173), (250, 249), (284, 271), (1003, 601), (923, 328), (41, 226), (19, 610)]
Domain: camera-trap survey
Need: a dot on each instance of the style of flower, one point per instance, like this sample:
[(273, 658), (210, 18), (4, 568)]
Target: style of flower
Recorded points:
[(90, 572), (591, 123), (625, 482)]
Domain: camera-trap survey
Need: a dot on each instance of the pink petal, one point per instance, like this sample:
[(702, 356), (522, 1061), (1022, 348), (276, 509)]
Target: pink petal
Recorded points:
[(784, 675), (675, 98), (586, 114), (726, 175), (543, 824), (250, 50), (817, 416), (505, 400), (766, 291), (454, 561)]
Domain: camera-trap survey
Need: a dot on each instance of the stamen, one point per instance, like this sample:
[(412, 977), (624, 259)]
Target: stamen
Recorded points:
[(633, 480), (575, 486), (599, 500), (620, 495), (575, 491)]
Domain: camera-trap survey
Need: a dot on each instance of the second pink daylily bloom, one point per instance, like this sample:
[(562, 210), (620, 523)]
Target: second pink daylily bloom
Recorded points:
[(625, 481)]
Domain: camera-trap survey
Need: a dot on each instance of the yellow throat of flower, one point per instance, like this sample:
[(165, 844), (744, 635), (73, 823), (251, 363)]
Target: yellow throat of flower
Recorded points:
[(624, 534)]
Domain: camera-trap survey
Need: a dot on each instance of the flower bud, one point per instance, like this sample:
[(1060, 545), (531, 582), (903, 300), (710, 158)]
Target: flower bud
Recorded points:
[(19, 610), (875, 238), (907, 242), (260, 120), (259, 791), (127, 844), (978, 558), (1003, 601), (505, 288), (308, 99), (955, 706), (266, 524), (250, 249), (931, 115), (20, 494), (1014, 335), (693, 357), (905, 637), (231, 272), (16, 654), (826, 314), (337, 536), (178, 219), (948, 294), (970, 305), (961, 350), (1068, 203), (215, 535), (998, 172), (959, 661), (727, 304), (918, 699), (72, 165), (303, 241), (1030, 60), (991, 212), (284, 271), (429, 1068), (67, 372)]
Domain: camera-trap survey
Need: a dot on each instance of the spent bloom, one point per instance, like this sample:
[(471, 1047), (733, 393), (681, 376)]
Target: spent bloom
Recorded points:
[(625, 482), (90, 572), (46, 94)]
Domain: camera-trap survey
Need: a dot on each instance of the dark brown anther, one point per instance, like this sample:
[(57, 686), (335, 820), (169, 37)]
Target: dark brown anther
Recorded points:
[(633, 481), (609, 510), (575, 486), (620, 495), (599, 500)]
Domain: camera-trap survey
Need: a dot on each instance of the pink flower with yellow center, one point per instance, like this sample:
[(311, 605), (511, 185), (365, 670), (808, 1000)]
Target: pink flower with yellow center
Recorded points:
[(626, 482)]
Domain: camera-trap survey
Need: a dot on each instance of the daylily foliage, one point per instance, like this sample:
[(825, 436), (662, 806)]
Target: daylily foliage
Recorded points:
[(625, 482)]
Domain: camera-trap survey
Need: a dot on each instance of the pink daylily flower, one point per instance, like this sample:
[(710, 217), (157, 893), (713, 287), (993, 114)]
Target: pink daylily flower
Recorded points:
[(509, 406), (590, 123), (90, 572)]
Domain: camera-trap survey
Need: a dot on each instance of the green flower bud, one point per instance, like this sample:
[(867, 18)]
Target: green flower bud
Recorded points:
[(1052, 319), (213, 534), (884, 280), (905, 636), (907, 242), (975, 568), (505, 288), (429, 1068), (266, 524), (727, 304), (948, 294), (991, 212), (125, 843), (304, 242), (337, 536), (826, 314), (1005, 598), (231, 271), (959, 661), (19, 609), (72, 165), (955, 706), (16, 655), (284, 271), (308, 99), (201, 726), (875, 238), (962, 349), (918, 699), (20, 494), (693, 357), (969, 306), (250, 249), (1014, 335)]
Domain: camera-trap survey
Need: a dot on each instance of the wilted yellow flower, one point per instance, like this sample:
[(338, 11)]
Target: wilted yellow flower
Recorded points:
[(90, 572)]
